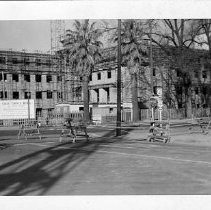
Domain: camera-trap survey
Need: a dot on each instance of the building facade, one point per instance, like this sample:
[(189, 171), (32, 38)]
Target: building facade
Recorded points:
[(32, 75), (50, 81)]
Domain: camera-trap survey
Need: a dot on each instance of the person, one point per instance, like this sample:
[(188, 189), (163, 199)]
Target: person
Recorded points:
[(67, 125), (21, 131), (47, 121), (38, 124), (151, 131)]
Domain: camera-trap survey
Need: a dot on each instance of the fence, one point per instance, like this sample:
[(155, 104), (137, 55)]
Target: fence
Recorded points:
[(57, 119), (175, 113), (126, 116), (52, 120)]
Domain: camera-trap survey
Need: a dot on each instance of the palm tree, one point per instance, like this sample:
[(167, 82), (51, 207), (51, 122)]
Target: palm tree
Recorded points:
[(84, 50), (133, 55)]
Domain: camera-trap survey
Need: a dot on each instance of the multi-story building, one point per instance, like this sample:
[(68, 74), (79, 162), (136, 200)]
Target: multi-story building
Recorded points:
[(32, 75), (49, 80), (164, 75)]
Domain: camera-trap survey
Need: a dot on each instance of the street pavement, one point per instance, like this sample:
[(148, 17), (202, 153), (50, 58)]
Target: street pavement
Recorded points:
[(107, 165)]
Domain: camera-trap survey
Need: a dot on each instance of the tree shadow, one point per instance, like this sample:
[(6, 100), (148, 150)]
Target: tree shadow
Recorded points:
[(4, 146), (36, 173)]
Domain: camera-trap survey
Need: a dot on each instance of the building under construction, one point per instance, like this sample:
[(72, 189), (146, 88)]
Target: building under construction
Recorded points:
[(32, 76)]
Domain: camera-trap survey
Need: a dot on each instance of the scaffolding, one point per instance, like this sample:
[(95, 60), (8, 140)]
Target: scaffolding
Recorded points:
[(57, 32), (71, 83)]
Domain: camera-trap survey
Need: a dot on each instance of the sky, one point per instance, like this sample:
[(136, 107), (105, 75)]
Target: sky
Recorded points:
[(30, 35), (25, 34)]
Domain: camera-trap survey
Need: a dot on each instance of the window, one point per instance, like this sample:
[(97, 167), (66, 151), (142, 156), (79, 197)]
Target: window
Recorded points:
[(38, 78), (98, 95), (14, 60), (196, 74), (78, 92), (38, 112), (48, 78), (15, 77), (196, 90), (38, 62), (68, 62), (108, 94), (81, 109), (59, 78), (50, 111), (111, 110), (48, 62), (206, 66), (2, 60), (99, 76), (109, 74), (26, 61), (81, 78), (204, 74), (49, 94), (179, 72), (155, 90), (3, 95), (59, 95), (27, 77), (90, 77), (153, 72), (204, 90), (15, 95), (179, 105), (39, 95), (4, 75), (27, 95), (179, 90)]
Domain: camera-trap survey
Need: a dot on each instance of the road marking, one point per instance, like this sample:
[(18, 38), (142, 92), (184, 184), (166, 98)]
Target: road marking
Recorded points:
[(145, 156), (125, 147), (123, 153), (36, 144), (157, 157)]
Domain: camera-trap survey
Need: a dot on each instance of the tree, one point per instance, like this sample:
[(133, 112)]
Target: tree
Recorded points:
[(203, 30), (176, 37), (84, 50), (133, 55)]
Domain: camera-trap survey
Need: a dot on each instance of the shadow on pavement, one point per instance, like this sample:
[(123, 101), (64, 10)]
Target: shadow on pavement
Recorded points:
[(4, 146), (37, 172)]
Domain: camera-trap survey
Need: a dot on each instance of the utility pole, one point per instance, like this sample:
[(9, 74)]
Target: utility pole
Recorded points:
[(3, 87), (28, 97), (118, 122), (151, 68)]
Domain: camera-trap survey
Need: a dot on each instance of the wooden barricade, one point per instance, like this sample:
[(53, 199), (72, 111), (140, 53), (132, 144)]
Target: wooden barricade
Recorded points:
[(73, 129), (29, 130), (203, 123), (159, 131)]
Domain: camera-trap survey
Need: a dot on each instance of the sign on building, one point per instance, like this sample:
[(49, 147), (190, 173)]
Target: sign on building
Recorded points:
[(17, 109)]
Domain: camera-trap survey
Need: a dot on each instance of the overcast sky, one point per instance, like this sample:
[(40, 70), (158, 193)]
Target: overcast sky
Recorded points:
[(30, 35)]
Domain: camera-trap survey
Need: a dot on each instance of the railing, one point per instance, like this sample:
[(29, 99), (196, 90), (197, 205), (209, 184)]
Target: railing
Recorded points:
[(175, 113)]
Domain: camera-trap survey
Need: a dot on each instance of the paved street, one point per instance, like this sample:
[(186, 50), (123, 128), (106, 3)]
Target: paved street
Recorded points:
[(107, 165)]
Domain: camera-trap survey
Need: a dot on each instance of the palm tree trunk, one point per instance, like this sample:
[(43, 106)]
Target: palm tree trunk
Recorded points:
[(86, 99), (134, 91)]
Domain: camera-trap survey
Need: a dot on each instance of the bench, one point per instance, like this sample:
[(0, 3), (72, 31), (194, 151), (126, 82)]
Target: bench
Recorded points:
[(203, 123), (29, 130), (74, 129), (159, 132)]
